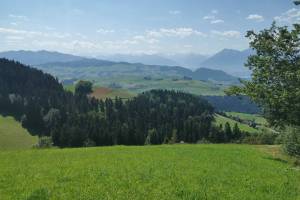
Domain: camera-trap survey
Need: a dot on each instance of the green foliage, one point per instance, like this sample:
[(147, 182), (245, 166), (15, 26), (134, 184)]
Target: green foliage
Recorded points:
[(275, 83), (83, 88), (71, 120), (39, 194), (52, 118), (227, 131), (258, 119), (268, 137), (292, 141), (44, 142), (174, 137), (212, 172), (264, 137), (243, 127), (89, 143), (236, 132), (149, 118)]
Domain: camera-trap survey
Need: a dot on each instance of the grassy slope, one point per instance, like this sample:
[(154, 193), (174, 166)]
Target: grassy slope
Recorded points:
[(258, 118), (138, 84), (133, 85), (13, 136), (154, 172), (222, 120)]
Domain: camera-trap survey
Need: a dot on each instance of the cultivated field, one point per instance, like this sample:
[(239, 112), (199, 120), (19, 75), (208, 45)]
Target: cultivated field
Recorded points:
[(150, 172), (103, 93), (137, 85)]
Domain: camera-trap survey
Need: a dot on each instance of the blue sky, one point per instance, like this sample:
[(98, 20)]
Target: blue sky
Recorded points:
[(97, 27)]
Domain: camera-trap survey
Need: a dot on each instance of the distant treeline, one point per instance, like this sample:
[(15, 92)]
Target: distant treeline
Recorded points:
[(241, 104), (43, 107)]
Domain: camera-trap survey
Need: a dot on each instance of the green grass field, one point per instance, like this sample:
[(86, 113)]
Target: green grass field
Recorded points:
[(150, 172), (139, 84), (244, 127), (13, 136), (133, 85)]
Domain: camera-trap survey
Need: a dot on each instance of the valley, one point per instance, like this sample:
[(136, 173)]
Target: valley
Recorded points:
[(149, 100)]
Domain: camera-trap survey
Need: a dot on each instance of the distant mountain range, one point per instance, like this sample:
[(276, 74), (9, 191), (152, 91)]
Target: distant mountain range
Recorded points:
[(141, 58), (69, 66), (190, 61), (38, 57), (228, 60)]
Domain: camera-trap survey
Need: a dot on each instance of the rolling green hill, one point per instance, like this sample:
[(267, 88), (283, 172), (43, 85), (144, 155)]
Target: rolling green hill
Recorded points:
[(212, 172), (126, 87), (94, 68), (137, 85), (222, 120), (14, 136), (244, 116)]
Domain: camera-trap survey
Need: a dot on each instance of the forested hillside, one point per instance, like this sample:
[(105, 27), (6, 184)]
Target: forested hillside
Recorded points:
[(233, 104), (42, 105), (37, 99)]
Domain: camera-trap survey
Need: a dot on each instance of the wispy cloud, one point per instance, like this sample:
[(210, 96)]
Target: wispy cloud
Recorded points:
[(227, 34), (215, 11), (175, 32), (105, 31), (141, 38), (256, 17), (48, 28), (31, 34), (291, 16), (209, 17), (18, 17), (213, 18), (14, 38), (217, 21), (174, 12)]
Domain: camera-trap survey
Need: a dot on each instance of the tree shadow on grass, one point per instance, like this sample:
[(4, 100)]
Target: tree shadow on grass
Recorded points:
[(39, 194), (276, 159)]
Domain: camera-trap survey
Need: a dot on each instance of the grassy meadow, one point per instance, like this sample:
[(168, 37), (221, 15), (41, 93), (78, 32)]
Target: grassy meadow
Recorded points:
[(137, 85), (244, 127), (14, 136), (149, 172), (244, 116)]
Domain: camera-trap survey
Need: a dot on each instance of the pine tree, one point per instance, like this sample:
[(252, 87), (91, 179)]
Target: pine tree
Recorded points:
[(228, 132)]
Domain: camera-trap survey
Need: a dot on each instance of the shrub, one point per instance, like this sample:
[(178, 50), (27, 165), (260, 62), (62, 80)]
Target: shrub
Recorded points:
[(203, 141), (267, 137), (89, 143), (44, 142), (291, 142)]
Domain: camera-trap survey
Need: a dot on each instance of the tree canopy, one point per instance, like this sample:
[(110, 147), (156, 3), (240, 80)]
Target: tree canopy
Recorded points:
[(40, 102), (83, 88), (275, 65)]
